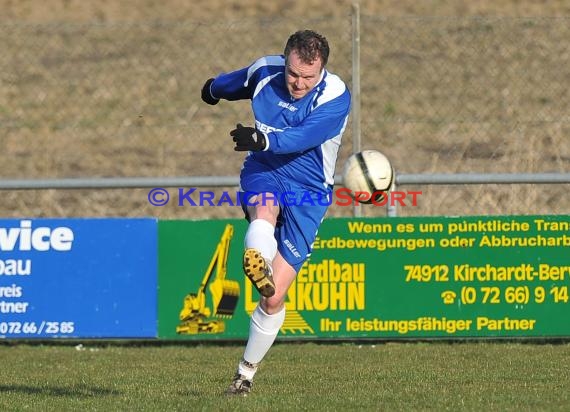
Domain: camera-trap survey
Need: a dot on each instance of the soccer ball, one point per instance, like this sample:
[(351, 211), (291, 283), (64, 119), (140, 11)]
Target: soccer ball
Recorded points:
[(370, 173)]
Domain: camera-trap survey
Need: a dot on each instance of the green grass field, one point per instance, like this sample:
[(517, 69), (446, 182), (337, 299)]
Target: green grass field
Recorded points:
[(486, 376)]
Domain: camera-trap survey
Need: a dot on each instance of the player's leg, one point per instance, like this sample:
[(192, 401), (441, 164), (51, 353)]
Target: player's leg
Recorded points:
[(260, 252), (268, 317), (266, 321)]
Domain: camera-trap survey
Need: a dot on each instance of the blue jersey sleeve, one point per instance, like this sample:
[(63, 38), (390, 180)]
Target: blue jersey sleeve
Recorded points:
[(241, 84), (232, 86)]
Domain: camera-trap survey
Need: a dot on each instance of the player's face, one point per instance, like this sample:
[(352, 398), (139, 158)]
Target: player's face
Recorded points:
[(301, 77)]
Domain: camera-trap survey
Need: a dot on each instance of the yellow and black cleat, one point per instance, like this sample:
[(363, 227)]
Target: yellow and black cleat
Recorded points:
[(258, 272)]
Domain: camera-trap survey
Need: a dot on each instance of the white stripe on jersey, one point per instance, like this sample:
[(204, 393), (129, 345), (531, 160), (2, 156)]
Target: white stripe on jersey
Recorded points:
[(330, 153), (263, 82), (264, 61), (334, 88)]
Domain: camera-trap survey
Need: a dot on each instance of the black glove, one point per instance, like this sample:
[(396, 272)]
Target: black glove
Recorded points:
[(248, 138), (207, 95)]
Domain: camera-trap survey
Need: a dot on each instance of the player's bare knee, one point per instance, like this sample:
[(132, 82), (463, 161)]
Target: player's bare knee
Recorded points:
[(266, 207), (273, 305)]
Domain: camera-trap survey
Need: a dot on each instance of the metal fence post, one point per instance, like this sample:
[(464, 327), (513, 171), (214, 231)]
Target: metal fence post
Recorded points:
[(391, 208), (356, 126)]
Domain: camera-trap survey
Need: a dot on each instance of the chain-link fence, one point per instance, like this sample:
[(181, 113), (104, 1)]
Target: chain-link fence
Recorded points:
[(443, 95)]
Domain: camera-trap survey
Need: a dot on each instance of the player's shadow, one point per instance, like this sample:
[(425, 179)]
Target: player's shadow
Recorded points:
[(82, 391)]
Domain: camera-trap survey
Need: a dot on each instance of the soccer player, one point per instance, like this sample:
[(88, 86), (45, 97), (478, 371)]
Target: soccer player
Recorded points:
[(300, 111)]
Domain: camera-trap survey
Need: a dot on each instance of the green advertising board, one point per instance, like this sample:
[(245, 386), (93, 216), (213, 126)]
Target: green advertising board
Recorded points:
[(429, 277)]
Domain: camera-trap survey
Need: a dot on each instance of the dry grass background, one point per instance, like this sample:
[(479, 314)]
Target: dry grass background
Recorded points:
[(141, 10), (442, 93)]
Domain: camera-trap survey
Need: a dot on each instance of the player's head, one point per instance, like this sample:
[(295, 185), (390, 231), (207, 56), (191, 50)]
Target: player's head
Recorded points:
[(306, 54)]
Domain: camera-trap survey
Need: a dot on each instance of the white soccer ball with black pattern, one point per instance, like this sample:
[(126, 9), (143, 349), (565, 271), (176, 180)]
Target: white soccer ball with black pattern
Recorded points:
[(368, 171)]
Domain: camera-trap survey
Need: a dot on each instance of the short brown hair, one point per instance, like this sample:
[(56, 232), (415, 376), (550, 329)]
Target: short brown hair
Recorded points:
[(309, 45)]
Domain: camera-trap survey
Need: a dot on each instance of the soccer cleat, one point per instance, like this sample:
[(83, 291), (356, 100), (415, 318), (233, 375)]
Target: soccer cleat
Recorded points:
[(240, 386), (259, 272)]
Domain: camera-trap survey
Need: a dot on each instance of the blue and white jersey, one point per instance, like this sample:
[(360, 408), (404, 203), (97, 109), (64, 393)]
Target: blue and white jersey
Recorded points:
[(304, 135)]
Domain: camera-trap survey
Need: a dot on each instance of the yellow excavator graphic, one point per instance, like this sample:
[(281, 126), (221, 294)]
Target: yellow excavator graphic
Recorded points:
[(195, 316)]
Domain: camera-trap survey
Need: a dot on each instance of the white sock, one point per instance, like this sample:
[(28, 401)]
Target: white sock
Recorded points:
[(263, 330), (260, 235)]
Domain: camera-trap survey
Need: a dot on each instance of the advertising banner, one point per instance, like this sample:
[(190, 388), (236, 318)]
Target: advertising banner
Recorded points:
[(78, 278), (202, 288), (428, 277)]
